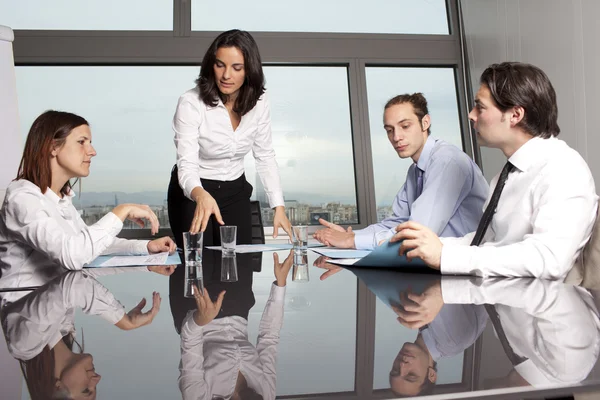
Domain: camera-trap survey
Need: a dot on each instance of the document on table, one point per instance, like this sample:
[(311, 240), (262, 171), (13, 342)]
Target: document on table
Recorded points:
[(385, 255), (342, 253), (135, 261)]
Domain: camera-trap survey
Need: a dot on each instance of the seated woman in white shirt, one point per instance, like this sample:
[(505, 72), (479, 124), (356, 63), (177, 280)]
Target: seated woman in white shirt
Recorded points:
[(216, 124), (40, 333), (41, 232)]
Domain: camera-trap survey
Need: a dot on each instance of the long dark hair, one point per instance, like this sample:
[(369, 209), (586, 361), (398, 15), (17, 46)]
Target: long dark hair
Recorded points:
[(516, 84), (49, 130), (254, 84), (39, 373)]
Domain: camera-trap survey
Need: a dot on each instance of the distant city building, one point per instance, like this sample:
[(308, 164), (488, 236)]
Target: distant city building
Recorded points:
[(298, 212)]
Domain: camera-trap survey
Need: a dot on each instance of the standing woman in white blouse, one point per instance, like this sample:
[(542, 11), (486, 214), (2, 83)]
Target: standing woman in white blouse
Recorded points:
[(216, 124), (41, 232)]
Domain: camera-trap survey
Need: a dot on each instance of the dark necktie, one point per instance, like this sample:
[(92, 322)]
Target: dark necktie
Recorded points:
[(481, 229), (419, 180), (514, 358), (491, 208)]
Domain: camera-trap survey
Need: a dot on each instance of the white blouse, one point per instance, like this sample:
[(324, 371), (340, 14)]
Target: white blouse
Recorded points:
[(213, 354), (209, 148), (47, 315), (42, 233)]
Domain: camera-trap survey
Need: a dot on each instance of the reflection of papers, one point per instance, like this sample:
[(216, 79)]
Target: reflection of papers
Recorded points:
[(258, 248), (342, 253), (131, 261), (344, 261), (248, 248)]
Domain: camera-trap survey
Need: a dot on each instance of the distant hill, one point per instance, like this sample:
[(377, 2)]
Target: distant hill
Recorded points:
[(157, 198)]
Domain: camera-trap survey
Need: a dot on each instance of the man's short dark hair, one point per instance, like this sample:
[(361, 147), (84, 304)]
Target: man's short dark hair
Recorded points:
[(517, 84), (418, 102), (427, 387)]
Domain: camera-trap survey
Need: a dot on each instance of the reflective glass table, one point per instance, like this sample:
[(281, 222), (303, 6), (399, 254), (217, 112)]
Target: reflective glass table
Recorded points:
[(287, 328)]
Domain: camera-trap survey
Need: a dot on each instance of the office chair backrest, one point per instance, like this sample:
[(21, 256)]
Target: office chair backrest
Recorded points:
[(586, 270)]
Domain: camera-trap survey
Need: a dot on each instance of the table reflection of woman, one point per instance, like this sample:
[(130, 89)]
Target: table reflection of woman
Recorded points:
[(217, 359), (40, 332)]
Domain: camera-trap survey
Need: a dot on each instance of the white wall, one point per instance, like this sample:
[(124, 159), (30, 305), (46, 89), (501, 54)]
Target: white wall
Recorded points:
[(560, 37), (10, 153)]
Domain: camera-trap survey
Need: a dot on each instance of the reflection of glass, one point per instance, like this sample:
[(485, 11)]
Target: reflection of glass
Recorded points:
[(156, 15), (354, 16), (228, 235), (192, 251), (300, 267), (300, 239), (229, 272), (439, 88)]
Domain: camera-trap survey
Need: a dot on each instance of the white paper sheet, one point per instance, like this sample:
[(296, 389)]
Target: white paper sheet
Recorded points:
[(124, 261)]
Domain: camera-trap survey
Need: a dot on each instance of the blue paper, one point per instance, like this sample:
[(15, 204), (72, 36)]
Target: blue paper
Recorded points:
[(172, 259), (387, 255)]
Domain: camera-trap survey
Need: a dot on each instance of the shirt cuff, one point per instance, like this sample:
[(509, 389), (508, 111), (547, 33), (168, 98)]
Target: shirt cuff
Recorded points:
[(140, 247), (190, 185), (456, 291), (363, 240), (114, 316), (277, 293), (276, 200), (111, 224), (189, 323), (458, 260)]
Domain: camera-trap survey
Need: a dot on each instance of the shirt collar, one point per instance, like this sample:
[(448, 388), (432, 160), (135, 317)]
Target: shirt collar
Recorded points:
[(530, 153), (219, 104), (426, 153), (53, 197)]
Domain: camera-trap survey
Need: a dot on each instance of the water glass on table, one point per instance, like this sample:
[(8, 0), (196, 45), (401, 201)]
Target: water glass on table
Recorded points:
[(228, 239), (192, 252), (229, 272), (300, 238)]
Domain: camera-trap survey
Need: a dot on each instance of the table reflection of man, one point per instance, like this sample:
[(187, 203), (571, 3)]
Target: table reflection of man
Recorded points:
[(217, 359), (452, 329), (550, 331)]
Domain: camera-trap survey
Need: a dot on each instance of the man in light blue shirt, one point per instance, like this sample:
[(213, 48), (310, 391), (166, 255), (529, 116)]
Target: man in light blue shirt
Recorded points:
[(444, 189)]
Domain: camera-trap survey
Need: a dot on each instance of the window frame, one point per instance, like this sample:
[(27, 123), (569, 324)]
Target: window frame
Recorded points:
[(355, 50)]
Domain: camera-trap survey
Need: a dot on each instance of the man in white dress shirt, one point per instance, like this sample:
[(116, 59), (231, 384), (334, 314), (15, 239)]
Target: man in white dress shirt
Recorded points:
[(542, 214)]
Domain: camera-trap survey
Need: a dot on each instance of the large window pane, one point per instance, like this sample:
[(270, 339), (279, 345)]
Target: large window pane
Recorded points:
[(130, 110), (438, 87), (156, 15), (356, 16), (312, 136)]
